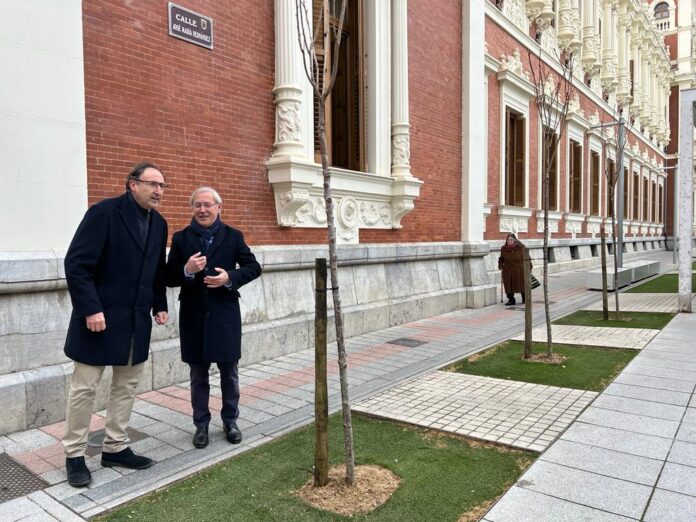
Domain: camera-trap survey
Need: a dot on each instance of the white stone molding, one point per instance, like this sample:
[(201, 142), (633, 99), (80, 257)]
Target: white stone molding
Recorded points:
[(474, 163), (294, 135), (594, 225), (515, 92), (487, 209), (514, 219), (515, 11), (401, 145), (554, 219), (573, 224), (378, 198), (362, 200)]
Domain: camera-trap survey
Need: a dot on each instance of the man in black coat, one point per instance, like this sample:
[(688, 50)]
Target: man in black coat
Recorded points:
[(115, 272), (210, 262)]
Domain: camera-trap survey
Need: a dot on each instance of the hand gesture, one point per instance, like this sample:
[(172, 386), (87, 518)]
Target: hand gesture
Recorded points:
[(161, 317), (195, 264), (96, 322), (217, 281)]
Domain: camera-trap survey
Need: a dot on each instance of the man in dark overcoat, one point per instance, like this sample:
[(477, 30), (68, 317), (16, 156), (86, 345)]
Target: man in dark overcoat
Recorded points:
[(115, 273), (210, 261)]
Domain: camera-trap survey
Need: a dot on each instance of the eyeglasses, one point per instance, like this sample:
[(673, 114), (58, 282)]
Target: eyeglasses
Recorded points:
[(203, 204), (152, 184)]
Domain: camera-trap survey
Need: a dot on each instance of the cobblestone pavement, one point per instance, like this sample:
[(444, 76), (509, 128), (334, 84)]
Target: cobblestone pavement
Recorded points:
[(634, 338), (276, 398)]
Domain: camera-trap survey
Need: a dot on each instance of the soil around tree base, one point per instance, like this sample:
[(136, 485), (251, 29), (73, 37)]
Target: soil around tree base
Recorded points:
[(373, 486), (554, 358)]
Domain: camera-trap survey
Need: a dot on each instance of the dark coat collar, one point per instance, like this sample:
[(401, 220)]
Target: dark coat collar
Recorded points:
[(194, 239), (130, 218)]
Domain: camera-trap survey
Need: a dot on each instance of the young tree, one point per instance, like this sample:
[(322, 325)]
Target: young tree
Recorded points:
[(611, 174), (322, 81), (552, 95)]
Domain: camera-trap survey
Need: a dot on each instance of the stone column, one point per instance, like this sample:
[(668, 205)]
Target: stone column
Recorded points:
[(474, 168), (622, 89), (608, 75), (401, 136), (589, 49), (636, 49), (378, 43), (293, 94), (686, 195)]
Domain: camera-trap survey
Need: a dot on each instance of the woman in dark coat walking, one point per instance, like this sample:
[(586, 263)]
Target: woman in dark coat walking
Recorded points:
[(210, 262), (510, 262)]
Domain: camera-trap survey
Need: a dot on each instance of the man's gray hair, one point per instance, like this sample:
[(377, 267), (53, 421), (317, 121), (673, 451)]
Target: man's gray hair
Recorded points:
[(200, 190)]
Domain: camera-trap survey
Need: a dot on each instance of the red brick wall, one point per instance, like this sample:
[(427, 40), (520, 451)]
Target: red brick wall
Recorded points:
[(207, 117), (435, 105)]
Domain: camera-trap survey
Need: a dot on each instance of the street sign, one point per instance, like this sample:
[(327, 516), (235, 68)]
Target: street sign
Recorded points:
[(190, 26)]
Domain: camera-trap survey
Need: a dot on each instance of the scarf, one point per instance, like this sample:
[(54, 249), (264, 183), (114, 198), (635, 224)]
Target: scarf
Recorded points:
[(206, 234)]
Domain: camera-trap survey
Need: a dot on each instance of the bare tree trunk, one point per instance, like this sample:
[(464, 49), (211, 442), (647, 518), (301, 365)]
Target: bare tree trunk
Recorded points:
[(321, 393), (527, 305), (338, 312), (616, 254), (605, 297), (547, 307)]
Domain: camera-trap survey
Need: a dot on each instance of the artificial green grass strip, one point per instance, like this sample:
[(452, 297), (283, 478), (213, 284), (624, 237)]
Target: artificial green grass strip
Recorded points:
[(651, 320), (442, 476), (586, 367), (664, 284)]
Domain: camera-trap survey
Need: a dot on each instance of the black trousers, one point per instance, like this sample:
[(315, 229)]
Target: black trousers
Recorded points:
[(200, 392)]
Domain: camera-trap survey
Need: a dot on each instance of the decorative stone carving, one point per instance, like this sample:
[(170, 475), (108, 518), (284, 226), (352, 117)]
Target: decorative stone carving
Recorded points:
[(594, 118), (553, 225), (574, 106), (549, 86), (401, 150), (399, 210), (289, 203), (573, 226), (513, 63), (513, 224), (515, 11), (549, 40), (289, 126), (348, 213), (373, 213)]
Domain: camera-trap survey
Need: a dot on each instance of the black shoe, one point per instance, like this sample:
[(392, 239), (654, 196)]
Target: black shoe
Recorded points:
[(200, 438), (510, 302), (78, 474), (126, 459), (232, 433)]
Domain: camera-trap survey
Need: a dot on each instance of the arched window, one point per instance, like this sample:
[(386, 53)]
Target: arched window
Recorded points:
[(661, 11)]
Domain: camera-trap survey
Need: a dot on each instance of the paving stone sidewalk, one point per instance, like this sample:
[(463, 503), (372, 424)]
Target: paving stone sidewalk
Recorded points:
[(517, 414), (276, 398), (631, 455), (606, 336)]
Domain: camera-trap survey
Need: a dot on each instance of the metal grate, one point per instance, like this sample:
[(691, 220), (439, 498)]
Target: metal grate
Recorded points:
[(16, 480), (96, 439), (405, 341)]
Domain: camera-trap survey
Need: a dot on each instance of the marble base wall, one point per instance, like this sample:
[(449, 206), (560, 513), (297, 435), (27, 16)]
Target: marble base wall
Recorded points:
[(381, 286)]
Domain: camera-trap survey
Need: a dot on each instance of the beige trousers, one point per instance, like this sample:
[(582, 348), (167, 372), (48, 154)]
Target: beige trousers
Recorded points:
[(83, 387)]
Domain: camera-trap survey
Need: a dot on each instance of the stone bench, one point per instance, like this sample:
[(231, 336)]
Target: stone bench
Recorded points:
[(643, 269), (624, 278)]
